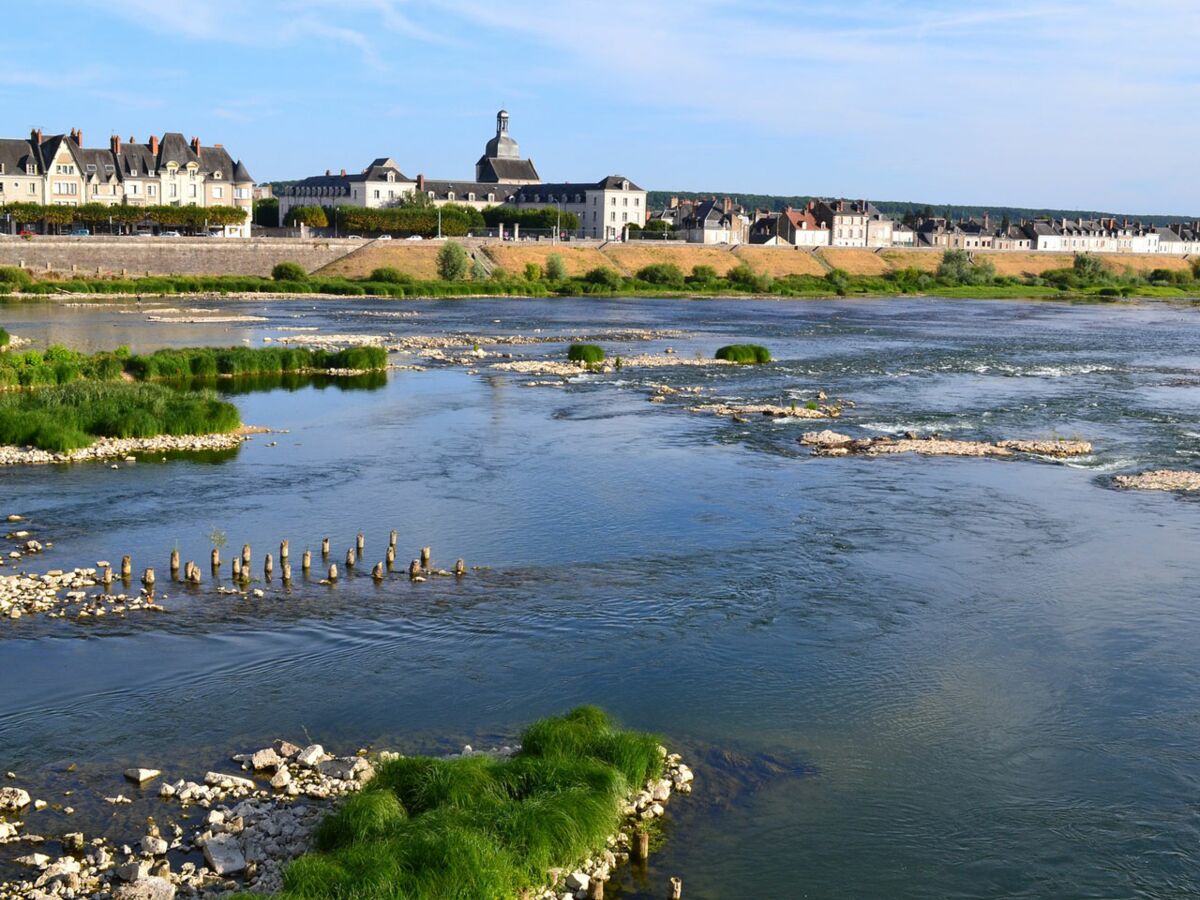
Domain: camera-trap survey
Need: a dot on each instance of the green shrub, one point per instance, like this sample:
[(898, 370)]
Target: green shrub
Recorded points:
[(390, 275), (533, 272), (744, 354), (703, 275), (663, 274), (588, 354), (5, 338), (556, 269), (452, 262), (605, 277), (18, 278), (289, 271)]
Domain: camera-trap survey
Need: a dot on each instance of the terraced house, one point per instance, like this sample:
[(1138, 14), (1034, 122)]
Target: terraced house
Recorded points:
[(171, 171)]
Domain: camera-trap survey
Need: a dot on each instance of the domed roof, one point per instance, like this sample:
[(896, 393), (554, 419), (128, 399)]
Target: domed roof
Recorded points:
[(502, 147)]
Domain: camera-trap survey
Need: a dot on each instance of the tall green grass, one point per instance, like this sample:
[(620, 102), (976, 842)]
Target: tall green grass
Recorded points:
[(744, 354), (72, 416), (211, 362), (5, 337), (478, 827), (585, 353)]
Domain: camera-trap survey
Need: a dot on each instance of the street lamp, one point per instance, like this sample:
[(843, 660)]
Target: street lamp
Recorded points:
[(439, 210), (558, 223)]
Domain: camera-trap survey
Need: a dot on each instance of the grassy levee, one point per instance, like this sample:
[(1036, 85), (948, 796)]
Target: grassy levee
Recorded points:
[(479, 827), (72, 416)]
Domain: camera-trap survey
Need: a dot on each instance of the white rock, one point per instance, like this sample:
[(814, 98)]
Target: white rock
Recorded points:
[(310, 755), (343, 768), (132, 871), (12, 799), (141, 776), (35, 860), (577, 881), (223, 854), (146, 889), (266, 759), (155, 846), (281, 779), (228, 781)]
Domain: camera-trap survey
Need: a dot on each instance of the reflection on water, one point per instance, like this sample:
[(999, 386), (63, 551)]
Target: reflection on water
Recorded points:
[(897, 677)]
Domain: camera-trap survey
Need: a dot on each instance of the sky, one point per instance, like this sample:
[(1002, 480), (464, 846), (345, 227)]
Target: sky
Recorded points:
[(1086, 104)]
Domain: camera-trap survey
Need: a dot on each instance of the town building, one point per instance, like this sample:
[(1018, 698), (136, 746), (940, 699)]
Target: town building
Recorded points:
[(716, 222), (380, 184), (606, 208), (57, 170), (852, 223)]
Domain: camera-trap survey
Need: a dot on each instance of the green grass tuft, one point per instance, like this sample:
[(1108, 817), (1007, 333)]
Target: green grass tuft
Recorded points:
[(585, 353), (745, 354), (478, 827)]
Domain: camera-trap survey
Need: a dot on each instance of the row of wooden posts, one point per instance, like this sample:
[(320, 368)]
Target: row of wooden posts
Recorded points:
[(240, 565)]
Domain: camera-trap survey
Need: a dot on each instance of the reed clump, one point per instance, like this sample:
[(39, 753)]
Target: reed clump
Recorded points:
[(745, 354), (588, 354), (213, 362), (478, 826)]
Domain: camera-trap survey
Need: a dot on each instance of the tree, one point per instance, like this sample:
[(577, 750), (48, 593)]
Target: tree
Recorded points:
[(703, 275), (312, 216), (1088, 269), (533, 272), (664, 274), (604, 277), (556, 269), (452, 262), (289, 271), (265, 212)]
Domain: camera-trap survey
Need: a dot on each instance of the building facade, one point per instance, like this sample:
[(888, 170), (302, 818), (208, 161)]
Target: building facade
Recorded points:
[(57, 170), (605, 208)]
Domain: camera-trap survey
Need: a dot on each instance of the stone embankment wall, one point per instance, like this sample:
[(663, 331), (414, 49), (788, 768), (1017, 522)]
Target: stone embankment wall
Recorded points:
[(134, 257)]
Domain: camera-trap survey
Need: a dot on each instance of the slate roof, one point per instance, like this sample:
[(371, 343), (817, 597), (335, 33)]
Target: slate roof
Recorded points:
[(568, 189), (442, 188), (500, 170), (16, 154)]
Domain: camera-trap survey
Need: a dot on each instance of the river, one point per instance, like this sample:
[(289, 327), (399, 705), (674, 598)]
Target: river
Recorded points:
[(896, 677)]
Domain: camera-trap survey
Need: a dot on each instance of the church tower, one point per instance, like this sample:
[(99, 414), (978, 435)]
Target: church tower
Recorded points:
[(501, 161)]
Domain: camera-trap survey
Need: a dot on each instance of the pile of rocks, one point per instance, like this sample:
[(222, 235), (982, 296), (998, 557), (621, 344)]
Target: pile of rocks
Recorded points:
[(1160, 480), (110, 448), (831, 443), (739, 411), (25, 594)]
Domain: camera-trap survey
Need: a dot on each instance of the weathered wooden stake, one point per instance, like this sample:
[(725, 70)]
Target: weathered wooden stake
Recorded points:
[(360, 542), (377, 572), (595, 889), (676, 888), (333, 571), (236, 565), (414, 568), (174, 562), (268, 566), (107, 576), (148, 579), (642, 849), (194, 577), (350, 560), (216, 558), (286, 569), (426, 555), (306, 560), (391, 557), (324, 546), (392, 538), (126, 566), (245, 556), (460, 568), (283, 550)]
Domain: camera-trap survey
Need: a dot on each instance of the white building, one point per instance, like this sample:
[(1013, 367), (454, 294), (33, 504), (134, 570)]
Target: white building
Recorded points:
[(605, 208)]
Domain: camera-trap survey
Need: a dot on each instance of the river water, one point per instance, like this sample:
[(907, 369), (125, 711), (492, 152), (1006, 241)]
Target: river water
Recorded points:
[(897, 677)]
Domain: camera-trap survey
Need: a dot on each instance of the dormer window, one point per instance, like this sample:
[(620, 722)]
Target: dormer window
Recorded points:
[(391, 177), (430, 194), (624, 185), (471, 197), (217, 174), (450, 195), (491, 198)]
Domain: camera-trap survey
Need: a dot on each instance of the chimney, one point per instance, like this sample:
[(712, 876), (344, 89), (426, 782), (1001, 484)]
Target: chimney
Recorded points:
[(132, 139), (420, 182), (154, 144), (79, 137), (196, 145), (36, 137), (727, 206), (114, 144), (219, 146), (343, 173), (327, 172)]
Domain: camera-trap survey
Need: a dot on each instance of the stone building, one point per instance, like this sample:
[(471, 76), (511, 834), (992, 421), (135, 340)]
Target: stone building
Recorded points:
[(606, 208), (58, 170)]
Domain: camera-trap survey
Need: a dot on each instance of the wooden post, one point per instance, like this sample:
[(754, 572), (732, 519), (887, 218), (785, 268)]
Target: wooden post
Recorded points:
[(216, 559), (107, 576), (126, 566), (268, 566), (377, 572), (595, 889), (333, 571), (236, 566), (245, 556), (392, 538), (676, 888), (194, 573), (306, 560), (391, 556), (426, 555), (148, 579), (324, 546), (414, 568), (283, 550), (286, 569), (174, 563), (460, 568), (360, 543), (642, 848), (350, 559)]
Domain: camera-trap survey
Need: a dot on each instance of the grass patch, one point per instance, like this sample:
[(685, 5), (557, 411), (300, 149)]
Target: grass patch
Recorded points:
[(212, 362), (68, 417), (5, 338), (589, 354), (744, 354), (477, 827)]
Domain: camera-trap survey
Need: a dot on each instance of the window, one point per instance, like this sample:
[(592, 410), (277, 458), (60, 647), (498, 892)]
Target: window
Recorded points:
[(217, 174), (132, 189), (471, 196), (152, 189), (624, 201), (32, 188), (613, 217), (491, 198), (218, 192), (376, 195), (449, 195), (614, 201), (391, 195), (637, 201), (192, 191), (624, 217), (174, 190)]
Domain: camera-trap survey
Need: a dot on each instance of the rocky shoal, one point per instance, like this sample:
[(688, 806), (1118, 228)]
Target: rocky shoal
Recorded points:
[(253, 824), (831, 443), (739, 412), (1160, 480), (113, 448)]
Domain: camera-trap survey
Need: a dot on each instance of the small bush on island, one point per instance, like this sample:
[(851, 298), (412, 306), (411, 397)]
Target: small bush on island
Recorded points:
[(472, 827), (589, 354), (289, 271), (663, 274), (744, 354), (390, 275), (73, 416), (452, 262)]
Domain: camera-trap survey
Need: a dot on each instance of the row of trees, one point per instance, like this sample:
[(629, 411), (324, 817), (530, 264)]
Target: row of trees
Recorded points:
[(416, 216), (124, 216)]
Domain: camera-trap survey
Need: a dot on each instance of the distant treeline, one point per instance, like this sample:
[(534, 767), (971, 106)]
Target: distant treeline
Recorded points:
[(898, 209)]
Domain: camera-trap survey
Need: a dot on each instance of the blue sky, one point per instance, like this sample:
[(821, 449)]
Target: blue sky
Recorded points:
[(1060, 104)]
